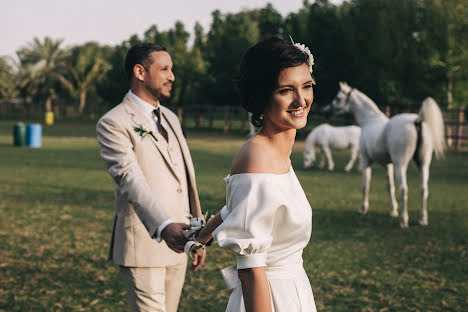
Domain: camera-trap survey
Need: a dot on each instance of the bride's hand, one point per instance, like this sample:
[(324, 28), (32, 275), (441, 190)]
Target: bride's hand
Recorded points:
[(198, 260)]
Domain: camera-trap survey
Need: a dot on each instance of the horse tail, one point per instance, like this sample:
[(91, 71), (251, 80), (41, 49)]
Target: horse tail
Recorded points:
[(431, 115)]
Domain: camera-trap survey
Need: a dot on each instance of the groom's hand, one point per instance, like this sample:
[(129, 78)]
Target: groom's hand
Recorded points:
[(174, 237)]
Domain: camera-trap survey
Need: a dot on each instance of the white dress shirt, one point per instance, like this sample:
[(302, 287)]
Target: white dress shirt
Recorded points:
[(147, 110)]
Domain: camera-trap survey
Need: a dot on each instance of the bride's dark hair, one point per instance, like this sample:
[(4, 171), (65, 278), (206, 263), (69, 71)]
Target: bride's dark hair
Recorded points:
[(259, 71)]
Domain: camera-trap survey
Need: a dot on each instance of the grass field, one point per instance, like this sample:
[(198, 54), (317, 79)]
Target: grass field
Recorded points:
[(56, 208)]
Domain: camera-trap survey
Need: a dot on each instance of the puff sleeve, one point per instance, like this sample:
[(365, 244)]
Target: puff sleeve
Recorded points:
[(248, 218)]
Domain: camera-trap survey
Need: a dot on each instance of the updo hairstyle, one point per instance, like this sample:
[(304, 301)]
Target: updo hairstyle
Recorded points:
[(259, 71)]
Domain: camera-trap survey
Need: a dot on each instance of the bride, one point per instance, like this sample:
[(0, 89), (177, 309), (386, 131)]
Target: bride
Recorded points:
[(267, 219)]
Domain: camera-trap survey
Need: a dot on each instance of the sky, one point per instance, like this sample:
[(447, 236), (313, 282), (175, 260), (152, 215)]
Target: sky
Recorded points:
[(111, 21)]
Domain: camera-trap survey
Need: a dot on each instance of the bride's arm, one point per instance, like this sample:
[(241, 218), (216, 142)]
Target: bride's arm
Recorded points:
[(205, 237), (205, 234), (255, 289)]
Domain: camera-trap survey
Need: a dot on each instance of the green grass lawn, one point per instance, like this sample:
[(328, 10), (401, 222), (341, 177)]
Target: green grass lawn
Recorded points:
[(56, 209)]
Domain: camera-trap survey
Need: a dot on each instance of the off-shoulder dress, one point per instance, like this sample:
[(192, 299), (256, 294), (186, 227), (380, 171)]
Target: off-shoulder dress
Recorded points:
[(267, 222)]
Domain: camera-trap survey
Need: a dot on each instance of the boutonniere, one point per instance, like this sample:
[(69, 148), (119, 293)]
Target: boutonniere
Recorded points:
[(143, 131)]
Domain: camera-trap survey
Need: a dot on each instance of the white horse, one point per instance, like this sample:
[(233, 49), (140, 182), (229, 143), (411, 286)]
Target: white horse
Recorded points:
[(326, 138), (393, 143)]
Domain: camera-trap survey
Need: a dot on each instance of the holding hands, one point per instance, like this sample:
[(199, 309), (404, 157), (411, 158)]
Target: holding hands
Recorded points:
[(179, 235), (192, 238), (200, 237), (173, 235)]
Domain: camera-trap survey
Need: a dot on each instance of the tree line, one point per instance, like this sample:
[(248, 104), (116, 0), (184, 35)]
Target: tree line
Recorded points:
[(396, 51)]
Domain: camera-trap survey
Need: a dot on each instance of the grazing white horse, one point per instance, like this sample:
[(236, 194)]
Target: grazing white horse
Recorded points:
[(328, 138), (393, 143)]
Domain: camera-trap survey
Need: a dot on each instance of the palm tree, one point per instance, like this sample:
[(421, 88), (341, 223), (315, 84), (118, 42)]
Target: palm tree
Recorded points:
[(41, 64), (85, 68), (7, 81)]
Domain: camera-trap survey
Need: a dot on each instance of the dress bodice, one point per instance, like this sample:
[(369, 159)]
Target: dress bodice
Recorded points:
[(267, 220)]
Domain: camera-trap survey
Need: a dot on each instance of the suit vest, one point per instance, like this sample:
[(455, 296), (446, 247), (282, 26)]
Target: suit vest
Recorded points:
[(180, 209)]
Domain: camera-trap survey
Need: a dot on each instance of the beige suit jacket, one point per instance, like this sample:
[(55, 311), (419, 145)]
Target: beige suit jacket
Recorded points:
[(146, 185)]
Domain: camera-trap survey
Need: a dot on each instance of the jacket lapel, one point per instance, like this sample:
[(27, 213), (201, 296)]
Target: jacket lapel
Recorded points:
[(139, 120)]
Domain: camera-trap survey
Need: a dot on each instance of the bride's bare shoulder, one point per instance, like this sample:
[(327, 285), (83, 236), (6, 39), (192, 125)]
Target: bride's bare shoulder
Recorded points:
[(254, 156)]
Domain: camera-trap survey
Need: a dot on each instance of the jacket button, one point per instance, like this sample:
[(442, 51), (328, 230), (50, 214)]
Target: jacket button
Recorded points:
[(179, 190)]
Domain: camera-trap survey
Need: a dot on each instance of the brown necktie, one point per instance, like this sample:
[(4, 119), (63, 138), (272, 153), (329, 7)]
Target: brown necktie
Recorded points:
[(161, 129)]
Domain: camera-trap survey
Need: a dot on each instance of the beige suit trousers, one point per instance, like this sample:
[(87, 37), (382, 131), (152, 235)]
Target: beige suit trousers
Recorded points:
[(154, 289)]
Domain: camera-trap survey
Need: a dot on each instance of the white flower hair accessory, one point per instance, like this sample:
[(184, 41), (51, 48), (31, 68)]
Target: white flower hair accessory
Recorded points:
[(304, 49)]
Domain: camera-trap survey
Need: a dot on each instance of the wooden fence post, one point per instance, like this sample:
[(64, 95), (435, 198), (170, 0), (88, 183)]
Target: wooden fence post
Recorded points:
[(210, 120), (242, 114), (3, 109), (388, 111), (198, 117), (227, 118), (448, 128), (459, 128), (56, 110)]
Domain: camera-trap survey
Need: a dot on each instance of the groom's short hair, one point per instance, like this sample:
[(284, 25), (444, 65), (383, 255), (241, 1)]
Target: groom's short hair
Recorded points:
[(140, 54)]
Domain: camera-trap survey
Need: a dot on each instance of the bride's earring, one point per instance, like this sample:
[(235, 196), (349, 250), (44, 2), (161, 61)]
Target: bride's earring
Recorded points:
[(260, 117)]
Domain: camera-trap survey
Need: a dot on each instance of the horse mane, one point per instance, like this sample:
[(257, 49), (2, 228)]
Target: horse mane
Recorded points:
[(371, 103), (365, 98)]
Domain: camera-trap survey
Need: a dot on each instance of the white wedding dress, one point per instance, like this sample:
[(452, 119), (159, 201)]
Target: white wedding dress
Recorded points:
[(267, 222)]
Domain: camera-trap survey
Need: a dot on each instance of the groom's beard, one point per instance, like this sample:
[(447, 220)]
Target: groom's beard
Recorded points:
[(162, 93), (165, 94)]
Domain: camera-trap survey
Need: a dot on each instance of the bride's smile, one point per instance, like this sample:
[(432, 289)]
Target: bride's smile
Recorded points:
[(297, 113), (291, 100)]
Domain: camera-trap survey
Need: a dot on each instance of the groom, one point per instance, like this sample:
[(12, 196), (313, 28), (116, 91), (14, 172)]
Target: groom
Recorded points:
[(147, 156)]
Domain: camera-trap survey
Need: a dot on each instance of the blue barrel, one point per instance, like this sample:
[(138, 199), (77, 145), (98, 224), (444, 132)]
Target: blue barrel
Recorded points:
[(19, 134), (34, 135)]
